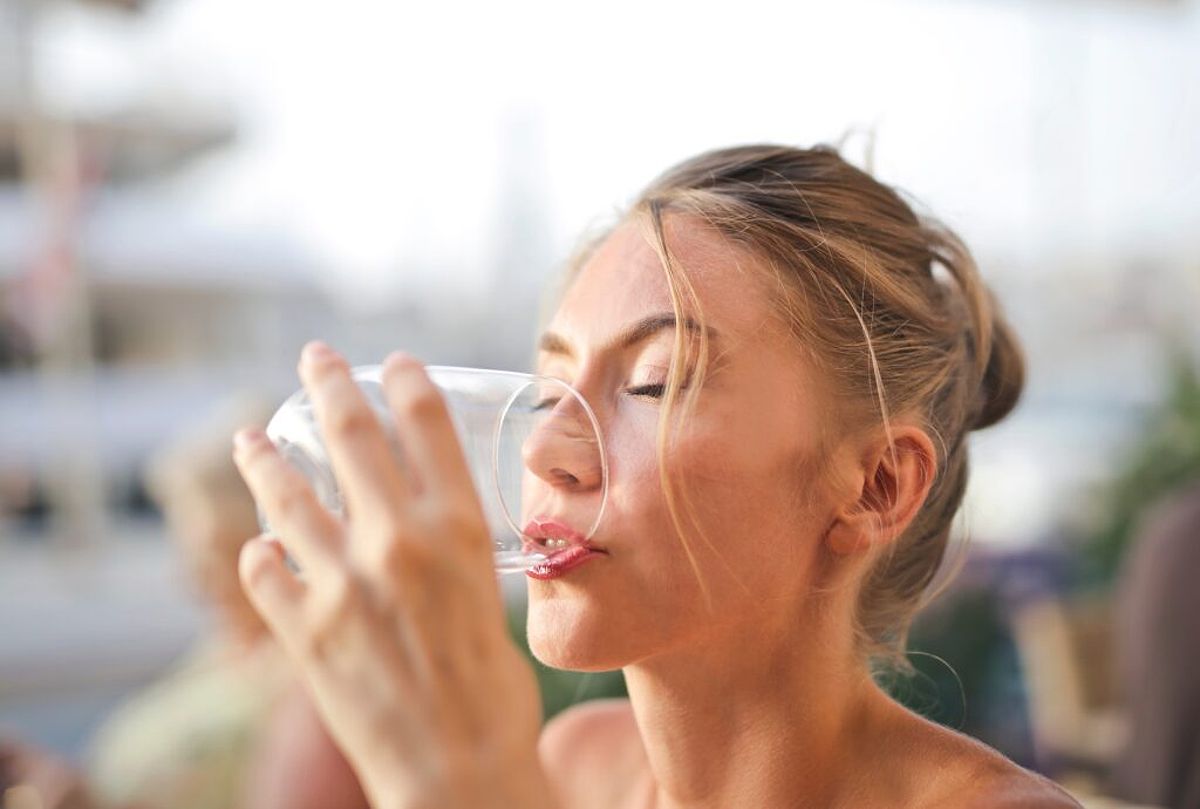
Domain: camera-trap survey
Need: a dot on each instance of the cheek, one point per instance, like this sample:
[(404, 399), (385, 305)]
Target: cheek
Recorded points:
[(636, 501), (747, 482), (750, 496)]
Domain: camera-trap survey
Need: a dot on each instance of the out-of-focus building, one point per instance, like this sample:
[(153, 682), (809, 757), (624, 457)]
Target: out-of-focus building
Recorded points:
[(125, 316), (120, 317), (121, 321)]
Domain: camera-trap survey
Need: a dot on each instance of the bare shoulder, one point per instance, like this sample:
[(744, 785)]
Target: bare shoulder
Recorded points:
[(599, 736), (982, 778), (1012, 787), (1025, 791), (590, 731)]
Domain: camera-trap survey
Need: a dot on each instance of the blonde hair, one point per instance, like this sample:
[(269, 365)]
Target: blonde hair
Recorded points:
[(889, 304)]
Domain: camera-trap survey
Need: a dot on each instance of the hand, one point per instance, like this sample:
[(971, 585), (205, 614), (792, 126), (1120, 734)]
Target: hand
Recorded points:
[(32, 777), (396, 622)]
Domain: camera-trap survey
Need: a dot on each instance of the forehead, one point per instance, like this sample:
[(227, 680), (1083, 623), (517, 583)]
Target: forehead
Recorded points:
[(624, 281)]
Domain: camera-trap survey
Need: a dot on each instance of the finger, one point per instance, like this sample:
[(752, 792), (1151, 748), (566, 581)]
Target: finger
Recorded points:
[(362, 460), (425, 428), (274, 591), (313, 534)]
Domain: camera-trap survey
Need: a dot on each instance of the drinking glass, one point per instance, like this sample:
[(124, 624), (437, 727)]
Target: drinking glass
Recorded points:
[(532, 443)]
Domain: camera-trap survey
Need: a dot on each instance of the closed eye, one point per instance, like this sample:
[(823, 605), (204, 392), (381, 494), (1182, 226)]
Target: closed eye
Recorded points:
[(649, 391)]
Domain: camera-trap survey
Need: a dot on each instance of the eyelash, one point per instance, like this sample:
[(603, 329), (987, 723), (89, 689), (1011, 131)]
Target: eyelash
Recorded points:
[(648, 391)]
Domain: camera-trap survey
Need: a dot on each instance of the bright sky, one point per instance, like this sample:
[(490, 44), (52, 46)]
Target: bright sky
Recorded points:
[(382, 136)]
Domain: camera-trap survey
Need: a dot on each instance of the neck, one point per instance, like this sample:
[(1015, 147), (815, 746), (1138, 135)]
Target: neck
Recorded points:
[(754, 716)]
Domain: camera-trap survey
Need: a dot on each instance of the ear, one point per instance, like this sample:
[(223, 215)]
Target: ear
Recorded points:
[(892, 482)]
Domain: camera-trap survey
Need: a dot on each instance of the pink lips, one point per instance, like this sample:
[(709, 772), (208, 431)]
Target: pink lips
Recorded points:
[(558, 561)]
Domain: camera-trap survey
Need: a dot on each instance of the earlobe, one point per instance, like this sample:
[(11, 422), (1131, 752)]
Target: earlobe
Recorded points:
[(850, 534)]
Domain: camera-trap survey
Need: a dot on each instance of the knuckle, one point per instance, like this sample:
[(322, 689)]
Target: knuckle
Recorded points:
[(315, 644), (455, 516), (337, 603), (402, 555), (421, 402), (351, 421), (253, 568), (341, 594), (290, 500)]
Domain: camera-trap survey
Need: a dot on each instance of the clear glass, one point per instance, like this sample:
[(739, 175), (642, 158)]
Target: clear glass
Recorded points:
[(529, 441)]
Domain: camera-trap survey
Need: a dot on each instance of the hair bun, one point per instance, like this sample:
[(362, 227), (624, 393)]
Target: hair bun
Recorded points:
[(1003, 378)]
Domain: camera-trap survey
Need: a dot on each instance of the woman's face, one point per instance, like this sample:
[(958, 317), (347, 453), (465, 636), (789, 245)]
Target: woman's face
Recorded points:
[(746, 460)]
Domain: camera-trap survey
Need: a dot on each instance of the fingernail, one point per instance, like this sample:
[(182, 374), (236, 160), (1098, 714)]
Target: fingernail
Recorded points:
[(248, 438), (317, 351)]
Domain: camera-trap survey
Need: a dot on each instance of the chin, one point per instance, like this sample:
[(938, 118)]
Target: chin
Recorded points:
[(574, 635)]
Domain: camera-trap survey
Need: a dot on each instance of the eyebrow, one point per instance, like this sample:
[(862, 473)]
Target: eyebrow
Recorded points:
[(643, 329)]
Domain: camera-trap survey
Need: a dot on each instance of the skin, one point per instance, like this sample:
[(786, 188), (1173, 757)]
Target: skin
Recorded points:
[(722, 709), (746, 687), (398, 624)]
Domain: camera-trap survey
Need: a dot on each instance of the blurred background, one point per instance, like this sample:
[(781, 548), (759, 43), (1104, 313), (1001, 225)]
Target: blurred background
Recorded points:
[(191, 189)]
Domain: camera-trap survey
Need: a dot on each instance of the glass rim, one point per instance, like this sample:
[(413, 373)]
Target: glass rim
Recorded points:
[(374, 373)]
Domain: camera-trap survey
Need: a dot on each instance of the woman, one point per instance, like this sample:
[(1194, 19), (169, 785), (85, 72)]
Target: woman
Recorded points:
[(785, 361)]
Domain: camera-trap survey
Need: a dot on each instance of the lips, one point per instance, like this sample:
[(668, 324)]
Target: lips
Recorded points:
[(564, 547), (548, 535)]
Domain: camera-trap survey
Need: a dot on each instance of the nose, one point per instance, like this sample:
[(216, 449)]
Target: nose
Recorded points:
[(563, 449)]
